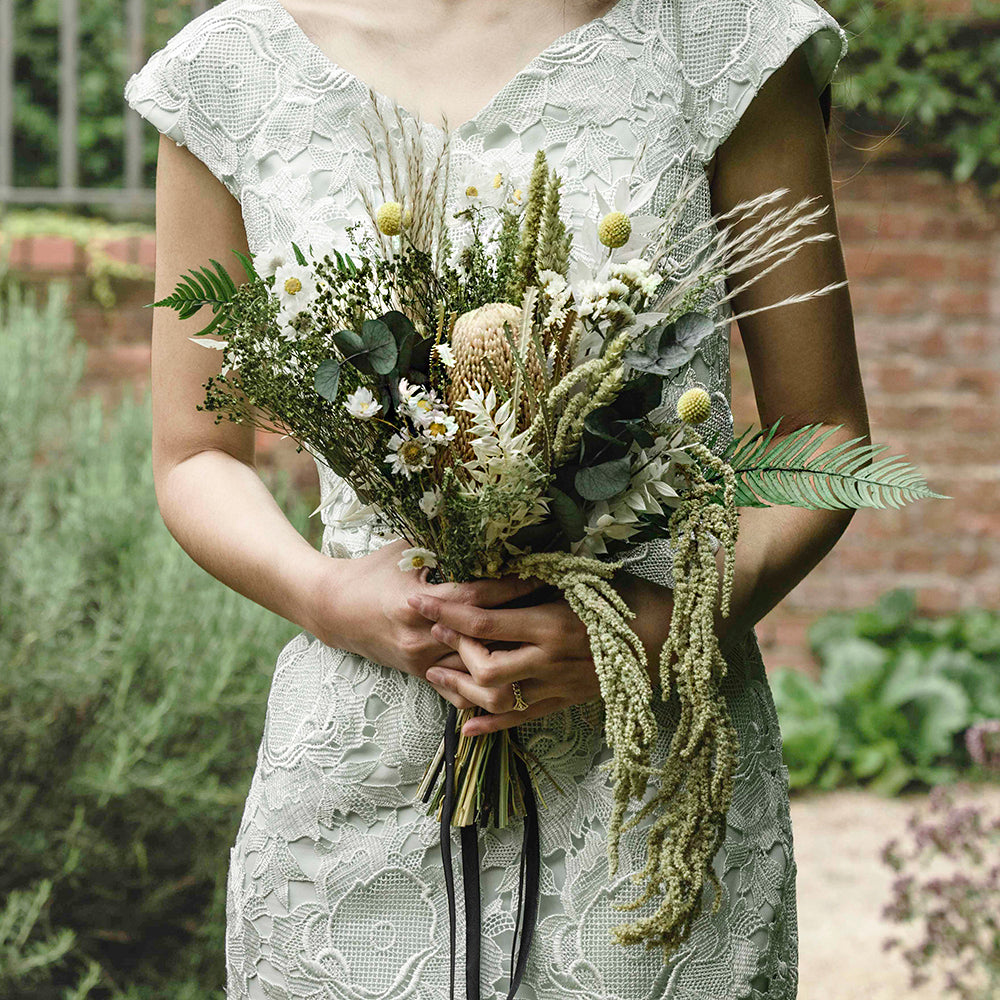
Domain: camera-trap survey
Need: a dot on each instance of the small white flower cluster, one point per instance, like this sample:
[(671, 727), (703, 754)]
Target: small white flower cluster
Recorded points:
[(480, 188), (412, 448)]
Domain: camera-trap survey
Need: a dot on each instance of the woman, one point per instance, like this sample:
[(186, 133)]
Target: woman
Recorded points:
[(336, 886)]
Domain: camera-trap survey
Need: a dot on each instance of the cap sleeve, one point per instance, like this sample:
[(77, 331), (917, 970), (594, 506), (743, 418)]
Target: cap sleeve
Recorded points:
[(184, 89), (730, 47)]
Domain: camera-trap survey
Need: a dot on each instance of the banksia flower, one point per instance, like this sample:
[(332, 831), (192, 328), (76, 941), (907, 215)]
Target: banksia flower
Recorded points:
[(477, 335), (694, 406)]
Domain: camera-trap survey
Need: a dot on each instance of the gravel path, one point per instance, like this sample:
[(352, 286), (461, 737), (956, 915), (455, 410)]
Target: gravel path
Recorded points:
[(842, 885)]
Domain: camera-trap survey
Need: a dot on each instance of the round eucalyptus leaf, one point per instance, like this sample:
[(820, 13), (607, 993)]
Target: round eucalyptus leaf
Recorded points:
[(327, 378), (380, 344), (568, 515), (601, 482)]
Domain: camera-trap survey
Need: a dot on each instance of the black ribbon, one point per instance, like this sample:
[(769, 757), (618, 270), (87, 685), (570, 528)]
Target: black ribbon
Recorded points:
[(528, 878)]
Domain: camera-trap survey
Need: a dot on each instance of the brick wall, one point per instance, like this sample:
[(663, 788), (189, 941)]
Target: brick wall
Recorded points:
[(923, 259)]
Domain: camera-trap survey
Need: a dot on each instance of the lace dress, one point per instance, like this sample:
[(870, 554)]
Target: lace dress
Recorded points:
[(336, 886)]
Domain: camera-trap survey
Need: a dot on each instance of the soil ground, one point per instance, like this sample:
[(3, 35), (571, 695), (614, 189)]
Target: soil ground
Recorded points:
[(842, 886)]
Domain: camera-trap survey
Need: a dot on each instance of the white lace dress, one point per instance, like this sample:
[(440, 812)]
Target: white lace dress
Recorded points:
[(336, 886)]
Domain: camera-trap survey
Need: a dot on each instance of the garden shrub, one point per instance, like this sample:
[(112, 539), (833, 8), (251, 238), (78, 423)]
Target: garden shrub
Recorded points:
[(896, 693), (132, 694)]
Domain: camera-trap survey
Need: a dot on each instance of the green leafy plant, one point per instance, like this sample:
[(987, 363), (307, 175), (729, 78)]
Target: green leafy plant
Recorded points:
[(132, 695), (931, 74), (895, 695)]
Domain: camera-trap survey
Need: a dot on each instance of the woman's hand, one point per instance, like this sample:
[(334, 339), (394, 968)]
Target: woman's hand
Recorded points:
[(361, 605), (545, 647)]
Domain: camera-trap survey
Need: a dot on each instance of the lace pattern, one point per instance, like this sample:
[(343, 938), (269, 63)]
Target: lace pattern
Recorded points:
[(336, 887)]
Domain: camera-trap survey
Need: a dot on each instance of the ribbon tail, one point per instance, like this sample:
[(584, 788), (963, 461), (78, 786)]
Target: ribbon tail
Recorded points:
[(473, 914), (450, 746), (529, 881)]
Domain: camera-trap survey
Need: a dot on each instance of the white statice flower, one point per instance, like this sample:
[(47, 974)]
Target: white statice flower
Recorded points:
[(362, 404), (268, 259), (408, 454), (636, 272), (416, 559), (439, 427), (295, 286), (446, 354), (430, 502)]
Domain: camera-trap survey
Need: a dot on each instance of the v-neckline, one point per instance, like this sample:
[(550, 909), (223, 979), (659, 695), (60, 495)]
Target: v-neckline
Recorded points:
[(310, 46)]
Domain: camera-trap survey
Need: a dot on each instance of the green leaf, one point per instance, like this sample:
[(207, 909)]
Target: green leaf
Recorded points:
[(251, 271), (796, 472), (299, 256), (404, 333), (380, 345), (568, 515), (603, 481), (327, 379)]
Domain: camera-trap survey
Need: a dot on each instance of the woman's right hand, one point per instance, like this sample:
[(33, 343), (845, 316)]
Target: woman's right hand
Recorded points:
[(361, 605)]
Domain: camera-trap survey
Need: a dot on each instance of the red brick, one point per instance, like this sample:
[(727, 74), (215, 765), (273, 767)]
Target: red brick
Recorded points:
[(968, 300), (54, 253)]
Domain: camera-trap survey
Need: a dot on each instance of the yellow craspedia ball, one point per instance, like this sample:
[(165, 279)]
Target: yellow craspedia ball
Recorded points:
[(389, 218), (615, 229), (694, 406)]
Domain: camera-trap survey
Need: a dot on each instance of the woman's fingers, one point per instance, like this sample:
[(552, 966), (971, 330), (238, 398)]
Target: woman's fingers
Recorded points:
[(512, 624), (507, 720), (486, 592)]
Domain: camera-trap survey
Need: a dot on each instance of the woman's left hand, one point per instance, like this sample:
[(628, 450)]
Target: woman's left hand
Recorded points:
[(547, 651)]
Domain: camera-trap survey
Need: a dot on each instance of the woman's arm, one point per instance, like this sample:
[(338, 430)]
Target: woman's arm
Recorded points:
[(803, 357), (207, 487)]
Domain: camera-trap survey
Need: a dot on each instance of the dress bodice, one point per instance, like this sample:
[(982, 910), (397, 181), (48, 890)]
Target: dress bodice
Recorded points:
[(647, 91)]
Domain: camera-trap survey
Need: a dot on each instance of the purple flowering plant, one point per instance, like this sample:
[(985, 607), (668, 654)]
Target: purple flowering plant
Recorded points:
[(948, 880)]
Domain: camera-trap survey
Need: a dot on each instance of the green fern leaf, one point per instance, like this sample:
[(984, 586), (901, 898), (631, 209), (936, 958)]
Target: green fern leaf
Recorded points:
[(796, 472)]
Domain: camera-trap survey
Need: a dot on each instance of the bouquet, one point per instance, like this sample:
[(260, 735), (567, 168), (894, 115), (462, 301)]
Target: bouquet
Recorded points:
[(498, 405)]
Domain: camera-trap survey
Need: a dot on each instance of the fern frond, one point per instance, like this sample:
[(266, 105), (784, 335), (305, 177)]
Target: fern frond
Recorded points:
[(796, 472), (194, 290)]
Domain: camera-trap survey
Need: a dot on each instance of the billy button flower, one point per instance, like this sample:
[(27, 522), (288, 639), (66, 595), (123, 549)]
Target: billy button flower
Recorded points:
[(694, 406), (392, 218)]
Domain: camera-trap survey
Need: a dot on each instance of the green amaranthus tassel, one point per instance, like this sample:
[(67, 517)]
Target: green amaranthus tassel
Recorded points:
[(695, 783)]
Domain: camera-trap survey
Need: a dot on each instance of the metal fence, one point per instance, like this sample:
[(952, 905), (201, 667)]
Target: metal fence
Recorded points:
[(68, 190)]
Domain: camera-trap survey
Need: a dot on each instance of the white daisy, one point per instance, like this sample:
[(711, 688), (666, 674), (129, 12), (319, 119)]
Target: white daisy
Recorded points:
[(408, 454), (439, 426), (622, 200), (407, 391), (430, 502), (293, 324), (478, 187), (295, 286), (417, 558), (270, 258), (362, 404)]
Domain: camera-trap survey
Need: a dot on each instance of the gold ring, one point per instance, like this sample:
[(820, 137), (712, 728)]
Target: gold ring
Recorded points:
[(519, 703)]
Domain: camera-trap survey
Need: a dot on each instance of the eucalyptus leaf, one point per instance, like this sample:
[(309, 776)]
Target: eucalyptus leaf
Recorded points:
[(327, 379), (568, 515), (603, 481), (380, 345)]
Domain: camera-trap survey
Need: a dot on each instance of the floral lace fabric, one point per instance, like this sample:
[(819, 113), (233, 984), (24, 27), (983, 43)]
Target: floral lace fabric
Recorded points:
[(336, 888)]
